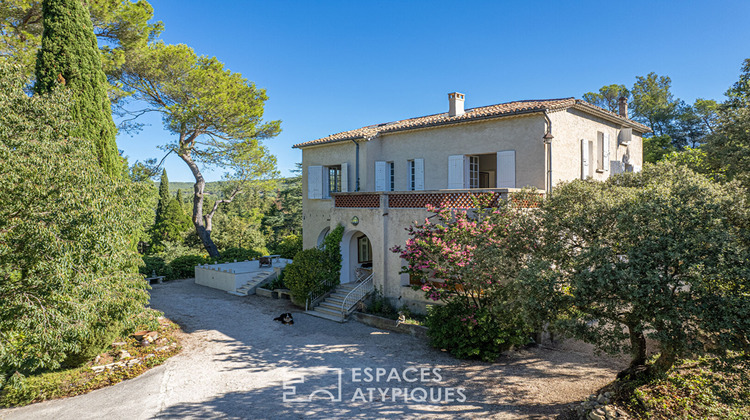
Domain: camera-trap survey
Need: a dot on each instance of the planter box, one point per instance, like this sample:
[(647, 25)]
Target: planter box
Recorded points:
[(266, 293), (390, 325), (284, 294)]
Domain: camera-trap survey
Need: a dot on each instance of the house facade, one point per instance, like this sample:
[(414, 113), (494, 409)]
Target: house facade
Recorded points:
[(376, 180)]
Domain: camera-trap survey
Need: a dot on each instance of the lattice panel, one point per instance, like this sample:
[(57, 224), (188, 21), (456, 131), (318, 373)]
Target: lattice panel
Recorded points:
[(450, 200), (527, 202), (358, 200)]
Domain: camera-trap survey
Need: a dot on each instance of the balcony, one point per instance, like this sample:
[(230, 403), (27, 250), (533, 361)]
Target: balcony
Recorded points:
[(457, 199)]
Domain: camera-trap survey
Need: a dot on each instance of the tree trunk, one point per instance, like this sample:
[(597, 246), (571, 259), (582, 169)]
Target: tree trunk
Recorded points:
[(665, 361), (638, 351), (204, 231), (638, 347)]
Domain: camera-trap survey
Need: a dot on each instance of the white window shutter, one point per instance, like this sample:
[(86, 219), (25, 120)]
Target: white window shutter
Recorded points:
[(419, 174), (345, 177), (314, 182), (584, 159), (605, 152), (506, 169), (456, 172), (380, 167)]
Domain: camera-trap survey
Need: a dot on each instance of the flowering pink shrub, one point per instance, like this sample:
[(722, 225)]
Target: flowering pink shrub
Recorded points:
[(468, 260)]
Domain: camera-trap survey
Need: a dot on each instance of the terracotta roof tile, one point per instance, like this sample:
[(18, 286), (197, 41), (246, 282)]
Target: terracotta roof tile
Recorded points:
[(484, 112)]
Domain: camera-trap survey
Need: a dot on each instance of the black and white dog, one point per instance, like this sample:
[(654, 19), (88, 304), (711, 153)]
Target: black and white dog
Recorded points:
[(285, 319)]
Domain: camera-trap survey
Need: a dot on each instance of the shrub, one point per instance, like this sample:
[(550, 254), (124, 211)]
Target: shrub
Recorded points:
[(469, 332), (278, 282), (68, 234), (239, 254), (153, 264), (94, 343), (184, 267), (470, 260), (305, 273), (314, 266), (289, 246)]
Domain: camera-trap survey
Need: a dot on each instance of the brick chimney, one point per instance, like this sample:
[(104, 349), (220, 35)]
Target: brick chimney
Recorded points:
[(456, 102), (623, 102)]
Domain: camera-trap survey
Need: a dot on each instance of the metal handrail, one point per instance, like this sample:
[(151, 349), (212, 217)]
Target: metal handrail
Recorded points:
[(319, 291), (364, 288)]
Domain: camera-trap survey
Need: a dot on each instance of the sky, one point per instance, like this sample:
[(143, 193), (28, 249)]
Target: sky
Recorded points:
[(332, 66)]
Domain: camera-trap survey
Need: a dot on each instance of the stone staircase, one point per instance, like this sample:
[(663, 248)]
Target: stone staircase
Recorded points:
[(248, 288), (330, 308)]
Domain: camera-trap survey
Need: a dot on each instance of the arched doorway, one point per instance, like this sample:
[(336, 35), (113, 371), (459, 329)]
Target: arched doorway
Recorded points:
[(323, 235), (357, 257)]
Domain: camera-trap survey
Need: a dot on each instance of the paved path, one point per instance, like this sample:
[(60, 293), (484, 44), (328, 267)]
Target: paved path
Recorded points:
[(235, 360)]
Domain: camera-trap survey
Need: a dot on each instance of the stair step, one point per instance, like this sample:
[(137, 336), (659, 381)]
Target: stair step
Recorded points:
[(330, 305), (336, 300), (237, 293), (328, 311), (325, 316)]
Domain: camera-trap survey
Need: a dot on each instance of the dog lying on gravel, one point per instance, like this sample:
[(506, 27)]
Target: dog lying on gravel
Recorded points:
[(285, 319)]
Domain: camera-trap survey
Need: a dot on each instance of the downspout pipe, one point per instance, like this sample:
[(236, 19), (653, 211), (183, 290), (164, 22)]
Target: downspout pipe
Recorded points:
[(548, 146), (356, 166)]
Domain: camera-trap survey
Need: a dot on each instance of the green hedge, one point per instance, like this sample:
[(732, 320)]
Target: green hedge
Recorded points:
[(313, 266), (289, 246), (468, 332), (239, 254), (184, 267)]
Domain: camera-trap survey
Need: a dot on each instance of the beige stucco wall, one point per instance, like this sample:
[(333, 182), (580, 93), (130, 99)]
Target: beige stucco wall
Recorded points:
[(522, 134), (385, 229), (569, 127)]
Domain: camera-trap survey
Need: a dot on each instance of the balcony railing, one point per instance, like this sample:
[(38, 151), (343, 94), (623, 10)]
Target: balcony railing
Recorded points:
[(458, 199)]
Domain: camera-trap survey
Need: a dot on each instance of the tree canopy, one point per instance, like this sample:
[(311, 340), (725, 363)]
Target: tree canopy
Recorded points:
[(659, 254), (119, 26), (215, 115)]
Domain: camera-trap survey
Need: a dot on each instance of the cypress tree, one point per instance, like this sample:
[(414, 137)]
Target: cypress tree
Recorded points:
[(69, 56), (164, 197)]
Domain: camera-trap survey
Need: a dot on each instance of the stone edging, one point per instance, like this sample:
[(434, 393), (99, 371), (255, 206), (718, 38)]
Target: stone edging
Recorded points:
[(390, 325)]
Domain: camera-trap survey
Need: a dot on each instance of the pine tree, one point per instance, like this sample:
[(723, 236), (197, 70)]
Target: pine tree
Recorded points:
[(69, 56)]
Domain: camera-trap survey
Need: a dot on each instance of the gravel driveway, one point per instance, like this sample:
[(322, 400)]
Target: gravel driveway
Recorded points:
[(236, 359)]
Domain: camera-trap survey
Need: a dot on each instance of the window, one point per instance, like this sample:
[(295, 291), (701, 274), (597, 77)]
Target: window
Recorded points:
[(602, 152), (391, 176), (599, 151), (364, 250), (334, 179), (412, 175), (473, 171)]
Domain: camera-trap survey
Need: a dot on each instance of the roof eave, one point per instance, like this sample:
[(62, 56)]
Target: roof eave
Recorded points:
[(595, 110)]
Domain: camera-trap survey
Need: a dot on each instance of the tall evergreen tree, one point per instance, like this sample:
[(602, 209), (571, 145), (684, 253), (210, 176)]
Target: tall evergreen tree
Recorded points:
[(171, 221), (69, 56), (164, 197)]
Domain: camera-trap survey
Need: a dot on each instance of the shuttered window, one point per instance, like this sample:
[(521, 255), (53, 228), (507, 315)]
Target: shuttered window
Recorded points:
[(391, 175), (456, 172), (415, 173), (314, 182), (419, 174), (380, 175), (506, 169)]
